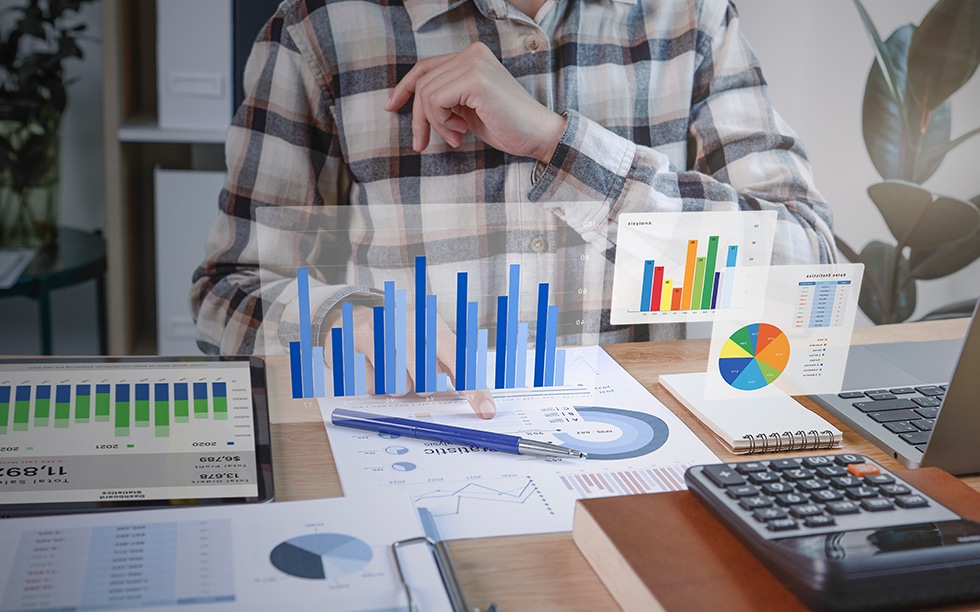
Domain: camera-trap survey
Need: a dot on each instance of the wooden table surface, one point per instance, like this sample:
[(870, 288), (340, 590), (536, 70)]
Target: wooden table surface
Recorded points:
[(544, 572)]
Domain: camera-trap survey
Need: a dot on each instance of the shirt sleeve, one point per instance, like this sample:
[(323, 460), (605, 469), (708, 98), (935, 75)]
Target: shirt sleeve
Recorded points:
[(741, 156), (284, 171)]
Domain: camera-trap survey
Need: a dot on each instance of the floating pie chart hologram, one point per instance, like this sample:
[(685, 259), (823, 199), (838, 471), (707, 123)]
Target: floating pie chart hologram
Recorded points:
[(754, 356), (320, 556)]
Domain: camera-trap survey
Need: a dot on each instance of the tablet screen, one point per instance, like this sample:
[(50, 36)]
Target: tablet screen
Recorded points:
[(80, 434)]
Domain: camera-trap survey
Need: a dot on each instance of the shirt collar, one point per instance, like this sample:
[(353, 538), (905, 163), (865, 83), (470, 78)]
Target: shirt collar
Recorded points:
[(423, 11)]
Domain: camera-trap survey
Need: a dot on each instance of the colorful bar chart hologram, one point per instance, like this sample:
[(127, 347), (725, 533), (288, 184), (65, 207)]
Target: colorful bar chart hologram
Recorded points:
[(390, 343), (705, 285), (125, 405)]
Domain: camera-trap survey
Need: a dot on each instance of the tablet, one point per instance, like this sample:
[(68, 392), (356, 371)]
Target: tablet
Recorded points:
[(83, 434)]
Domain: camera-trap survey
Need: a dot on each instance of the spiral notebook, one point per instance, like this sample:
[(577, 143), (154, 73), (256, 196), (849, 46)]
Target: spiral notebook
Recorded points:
[(754, 424)]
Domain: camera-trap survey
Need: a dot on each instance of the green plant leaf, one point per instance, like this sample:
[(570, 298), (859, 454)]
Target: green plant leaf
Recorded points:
[(919, 220), (878, 300), (944, 52), (891, 136), (951, 257), (883, 55)]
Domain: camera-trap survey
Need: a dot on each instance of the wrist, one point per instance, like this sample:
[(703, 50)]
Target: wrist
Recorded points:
[(553, 130)]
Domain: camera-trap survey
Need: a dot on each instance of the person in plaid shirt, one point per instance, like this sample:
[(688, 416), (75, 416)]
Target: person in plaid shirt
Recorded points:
[(574, 110)]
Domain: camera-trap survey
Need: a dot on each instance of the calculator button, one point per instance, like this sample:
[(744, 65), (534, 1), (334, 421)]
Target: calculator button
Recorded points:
[(893, 490), (863, 469), (786, 524), (879, 479), (798, 474), (741, 491), (912, 501), (877, 504), (819, 520), (812, 484), (763, 477), (790, 499), (784, 464), (806, 510), (827, 471), (749, 467), (817, 462), (862, 492), (848, 459), (845, 482), (827, 495), (843, 507), (773, 488), (723, 476), (764, 515), (754, 503)]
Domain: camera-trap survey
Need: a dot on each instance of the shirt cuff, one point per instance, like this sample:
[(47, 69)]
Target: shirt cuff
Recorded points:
[(590, 164)]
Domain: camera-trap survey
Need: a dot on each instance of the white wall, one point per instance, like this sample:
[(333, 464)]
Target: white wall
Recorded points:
[(82, 189), (816, 55)]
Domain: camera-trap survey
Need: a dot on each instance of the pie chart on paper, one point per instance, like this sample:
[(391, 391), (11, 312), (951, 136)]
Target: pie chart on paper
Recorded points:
[(754, 356)]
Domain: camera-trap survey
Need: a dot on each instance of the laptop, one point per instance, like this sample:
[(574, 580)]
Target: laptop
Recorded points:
[(918, 401)]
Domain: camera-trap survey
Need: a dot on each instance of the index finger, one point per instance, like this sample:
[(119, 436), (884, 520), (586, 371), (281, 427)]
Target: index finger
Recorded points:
[(404, 89)]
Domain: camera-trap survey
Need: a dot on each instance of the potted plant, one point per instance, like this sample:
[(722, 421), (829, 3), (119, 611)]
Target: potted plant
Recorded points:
[(906, 122), (33, 97)]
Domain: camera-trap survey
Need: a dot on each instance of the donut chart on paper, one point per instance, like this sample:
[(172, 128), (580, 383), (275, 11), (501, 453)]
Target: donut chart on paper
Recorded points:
[(754, 356), (639, 433)]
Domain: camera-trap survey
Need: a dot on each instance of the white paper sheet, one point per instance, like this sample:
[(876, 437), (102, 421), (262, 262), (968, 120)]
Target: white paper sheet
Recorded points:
[(635, 445), (331, 554)]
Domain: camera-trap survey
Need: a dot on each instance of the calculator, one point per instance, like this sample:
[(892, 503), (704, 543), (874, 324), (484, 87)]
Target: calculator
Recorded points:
[(844, 533)]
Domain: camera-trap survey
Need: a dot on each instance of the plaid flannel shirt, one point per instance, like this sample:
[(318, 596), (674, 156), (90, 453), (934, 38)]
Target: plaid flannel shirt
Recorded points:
[(666, 106)]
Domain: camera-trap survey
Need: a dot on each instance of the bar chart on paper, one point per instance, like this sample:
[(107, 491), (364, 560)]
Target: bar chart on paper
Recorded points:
[(514, 363), (693, 266)]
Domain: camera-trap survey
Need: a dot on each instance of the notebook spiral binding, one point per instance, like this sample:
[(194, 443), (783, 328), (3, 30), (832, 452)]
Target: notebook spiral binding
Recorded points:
[(788, 441)]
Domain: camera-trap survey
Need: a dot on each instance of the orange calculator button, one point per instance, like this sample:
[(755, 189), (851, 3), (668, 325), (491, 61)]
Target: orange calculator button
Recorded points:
[(863, 469)]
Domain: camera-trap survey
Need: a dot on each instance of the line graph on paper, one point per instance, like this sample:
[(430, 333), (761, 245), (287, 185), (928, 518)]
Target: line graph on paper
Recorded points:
[(454, 505)]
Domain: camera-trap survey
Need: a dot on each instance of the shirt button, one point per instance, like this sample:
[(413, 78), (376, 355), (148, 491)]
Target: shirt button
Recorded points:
[(538, 244), (532, 44)]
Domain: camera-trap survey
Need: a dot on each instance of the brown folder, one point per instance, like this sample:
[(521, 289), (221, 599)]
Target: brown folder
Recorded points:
[(667, 551)]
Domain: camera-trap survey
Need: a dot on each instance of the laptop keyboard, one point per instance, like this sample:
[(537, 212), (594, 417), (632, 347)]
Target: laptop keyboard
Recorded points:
[(909, 412)]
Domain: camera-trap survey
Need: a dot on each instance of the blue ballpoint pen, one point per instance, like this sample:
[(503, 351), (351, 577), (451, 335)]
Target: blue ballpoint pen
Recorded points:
[(446, 433)]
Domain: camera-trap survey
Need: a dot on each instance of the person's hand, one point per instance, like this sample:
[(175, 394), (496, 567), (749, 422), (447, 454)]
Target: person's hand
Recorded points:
[(363, 324), (471, 91)]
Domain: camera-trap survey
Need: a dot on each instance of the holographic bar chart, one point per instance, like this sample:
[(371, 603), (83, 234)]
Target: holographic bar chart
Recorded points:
[(705, 285), (691, 266), (509, 359)]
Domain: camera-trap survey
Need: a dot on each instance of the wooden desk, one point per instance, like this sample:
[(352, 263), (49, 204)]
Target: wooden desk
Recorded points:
[(542, 572)]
